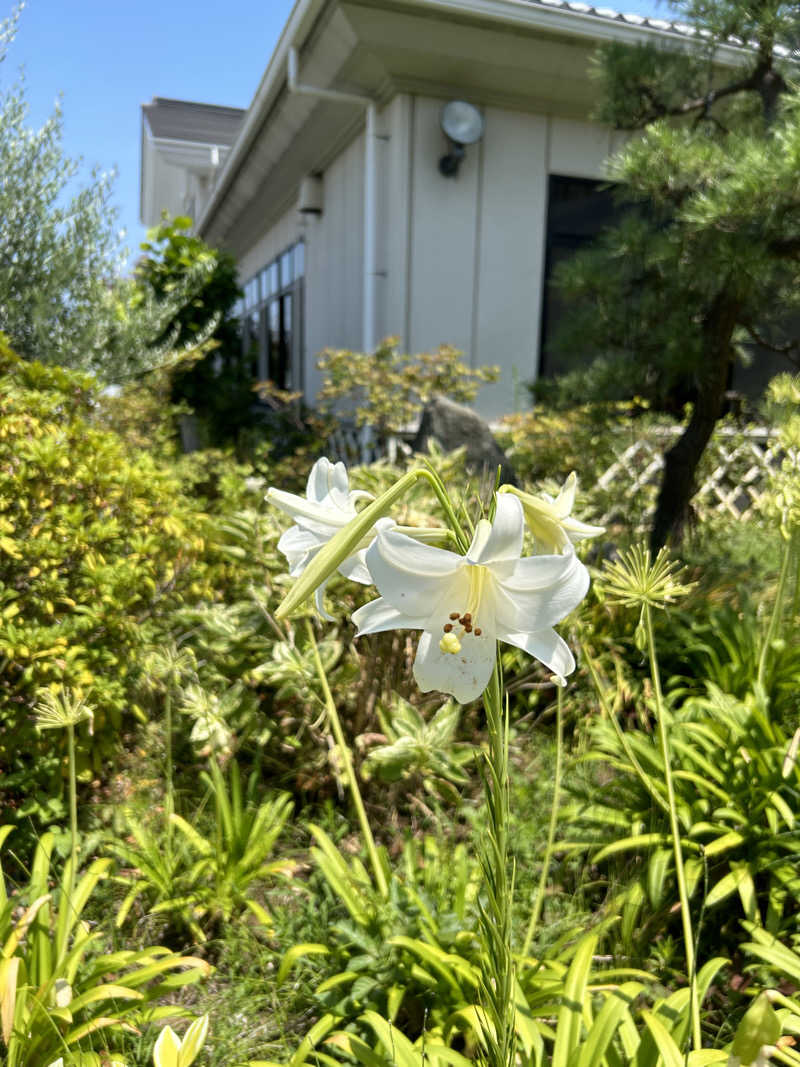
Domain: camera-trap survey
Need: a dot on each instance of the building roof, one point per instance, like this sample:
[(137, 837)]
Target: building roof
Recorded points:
[(579, 8), (183, 120), (680, 29)]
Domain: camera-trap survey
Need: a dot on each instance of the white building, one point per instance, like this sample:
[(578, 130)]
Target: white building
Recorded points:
[(331, 197)]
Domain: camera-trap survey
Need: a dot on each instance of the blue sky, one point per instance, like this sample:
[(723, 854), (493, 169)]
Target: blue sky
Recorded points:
[(107, 57)]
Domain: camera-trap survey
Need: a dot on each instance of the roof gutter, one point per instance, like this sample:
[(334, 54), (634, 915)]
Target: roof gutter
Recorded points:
[(302, 18)]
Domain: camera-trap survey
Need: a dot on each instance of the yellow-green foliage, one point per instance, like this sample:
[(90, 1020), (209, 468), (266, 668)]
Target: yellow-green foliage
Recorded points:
[(97, 547), (386, 389)]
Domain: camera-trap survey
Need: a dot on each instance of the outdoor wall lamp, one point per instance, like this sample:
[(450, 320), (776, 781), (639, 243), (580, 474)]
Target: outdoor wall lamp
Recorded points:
[(462, 124)]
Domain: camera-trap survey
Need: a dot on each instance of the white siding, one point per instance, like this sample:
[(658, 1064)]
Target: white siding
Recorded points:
[(334, 261), (459, 260), (395, 162), (579, 149), (513, 214), (476, 243), (443, 238), (167, 186), (285, 232)]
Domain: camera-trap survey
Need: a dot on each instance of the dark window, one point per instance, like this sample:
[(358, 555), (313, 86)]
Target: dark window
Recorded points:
[(577, 211), (287, 334), (275, 353), (272, 322)]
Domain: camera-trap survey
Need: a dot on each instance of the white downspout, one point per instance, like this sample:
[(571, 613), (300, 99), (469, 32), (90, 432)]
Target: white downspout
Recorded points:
[(368, 341)]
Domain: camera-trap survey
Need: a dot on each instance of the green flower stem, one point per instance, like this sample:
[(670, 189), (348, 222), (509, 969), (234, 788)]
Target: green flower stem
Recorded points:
[(170, 788), (551, 829), (777, 608), (346, 758), (680, 872), (496, 915), (608, 711), (347, 540), (73, 807)]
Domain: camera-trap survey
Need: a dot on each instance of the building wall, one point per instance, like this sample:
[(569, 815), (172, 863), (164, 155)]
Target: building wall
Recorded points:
[(334, 261), (285, 232), (334, 257), (475, 244), (165, 186), (459, 261)]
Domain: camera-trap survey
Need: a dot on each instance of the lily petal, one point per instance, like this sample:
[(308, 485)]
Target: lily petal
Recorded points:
[(325, 476), (378, 615), (542, 572), (465, 674), (521, 609), (500, 540), (319, 600), (578, 530), (355, 568), (298, 545), (410, 575), (565, 501), (319, 517), (544, 645)]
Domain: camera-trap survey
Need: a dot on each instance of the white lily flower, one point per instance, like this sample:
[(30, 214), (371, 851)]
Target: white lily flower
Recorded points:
[(327, 507), (463, 604), (550, 519)]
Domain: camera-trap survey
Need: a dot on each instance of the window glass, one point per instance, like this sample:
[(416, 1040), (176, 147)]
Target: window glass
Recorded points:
[(251, 343), (271, 279), (263, 344), (286, 269), (286, 340), (274, 338), (299, 259), (577, 211), (251, 292)]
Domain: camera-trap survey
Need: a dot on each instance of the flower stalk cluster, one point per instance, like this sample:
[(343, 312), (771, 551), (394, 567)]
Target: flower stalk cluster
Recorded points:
[(464, 599)]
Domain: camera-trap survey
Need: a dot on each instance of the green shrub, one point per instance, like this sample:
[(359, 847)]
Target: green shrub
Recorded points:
[(98, 547)]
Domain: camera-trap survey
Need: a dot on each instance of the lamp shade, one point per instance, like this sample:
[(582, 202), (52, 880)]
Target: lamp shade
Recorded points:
[(462, 122)]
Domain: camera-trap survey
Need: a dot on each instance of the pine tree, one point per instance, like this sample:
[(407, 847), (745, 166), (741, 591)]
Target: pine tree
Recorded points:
[(706, 260)]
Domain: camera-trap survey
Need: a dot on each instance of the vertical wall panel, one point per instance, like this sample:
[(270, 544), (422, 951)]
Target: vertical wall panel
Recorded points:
[(512, 222), (334, 262), (394, 163), (579, 149), (442, 238)]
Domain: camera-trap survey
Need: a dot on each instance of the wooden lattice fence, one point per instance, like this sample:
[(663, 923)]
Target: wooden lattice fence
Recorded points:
[(734, 474)]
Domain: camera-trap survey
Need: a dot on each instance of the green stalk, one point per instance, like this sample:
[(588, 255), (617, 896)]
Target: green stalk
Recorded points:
[(777, 608), (551, 830), (170, 789), (680, 872), (344, 754), (496, 917), (608, 711), (73, 807)]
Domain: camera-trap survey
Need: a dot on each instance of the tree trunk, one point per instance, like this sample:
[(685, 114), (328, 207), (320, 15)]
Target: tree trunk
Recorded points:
[(681, 461)]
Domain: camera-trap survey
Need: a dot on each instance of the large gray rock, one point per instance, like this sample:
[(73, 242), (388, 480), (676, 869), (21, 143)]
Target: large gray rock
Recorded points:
[(454, 426)]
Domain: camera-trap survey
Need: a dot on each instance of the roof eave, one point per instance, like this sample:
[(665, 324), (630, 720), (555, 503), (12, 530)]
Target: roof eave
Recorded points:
[(568, 22), (301, 18)]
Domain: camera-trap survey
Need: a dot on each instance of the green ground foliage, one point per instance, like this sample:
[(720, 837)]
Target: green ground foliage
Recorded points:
[(221, 866)]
